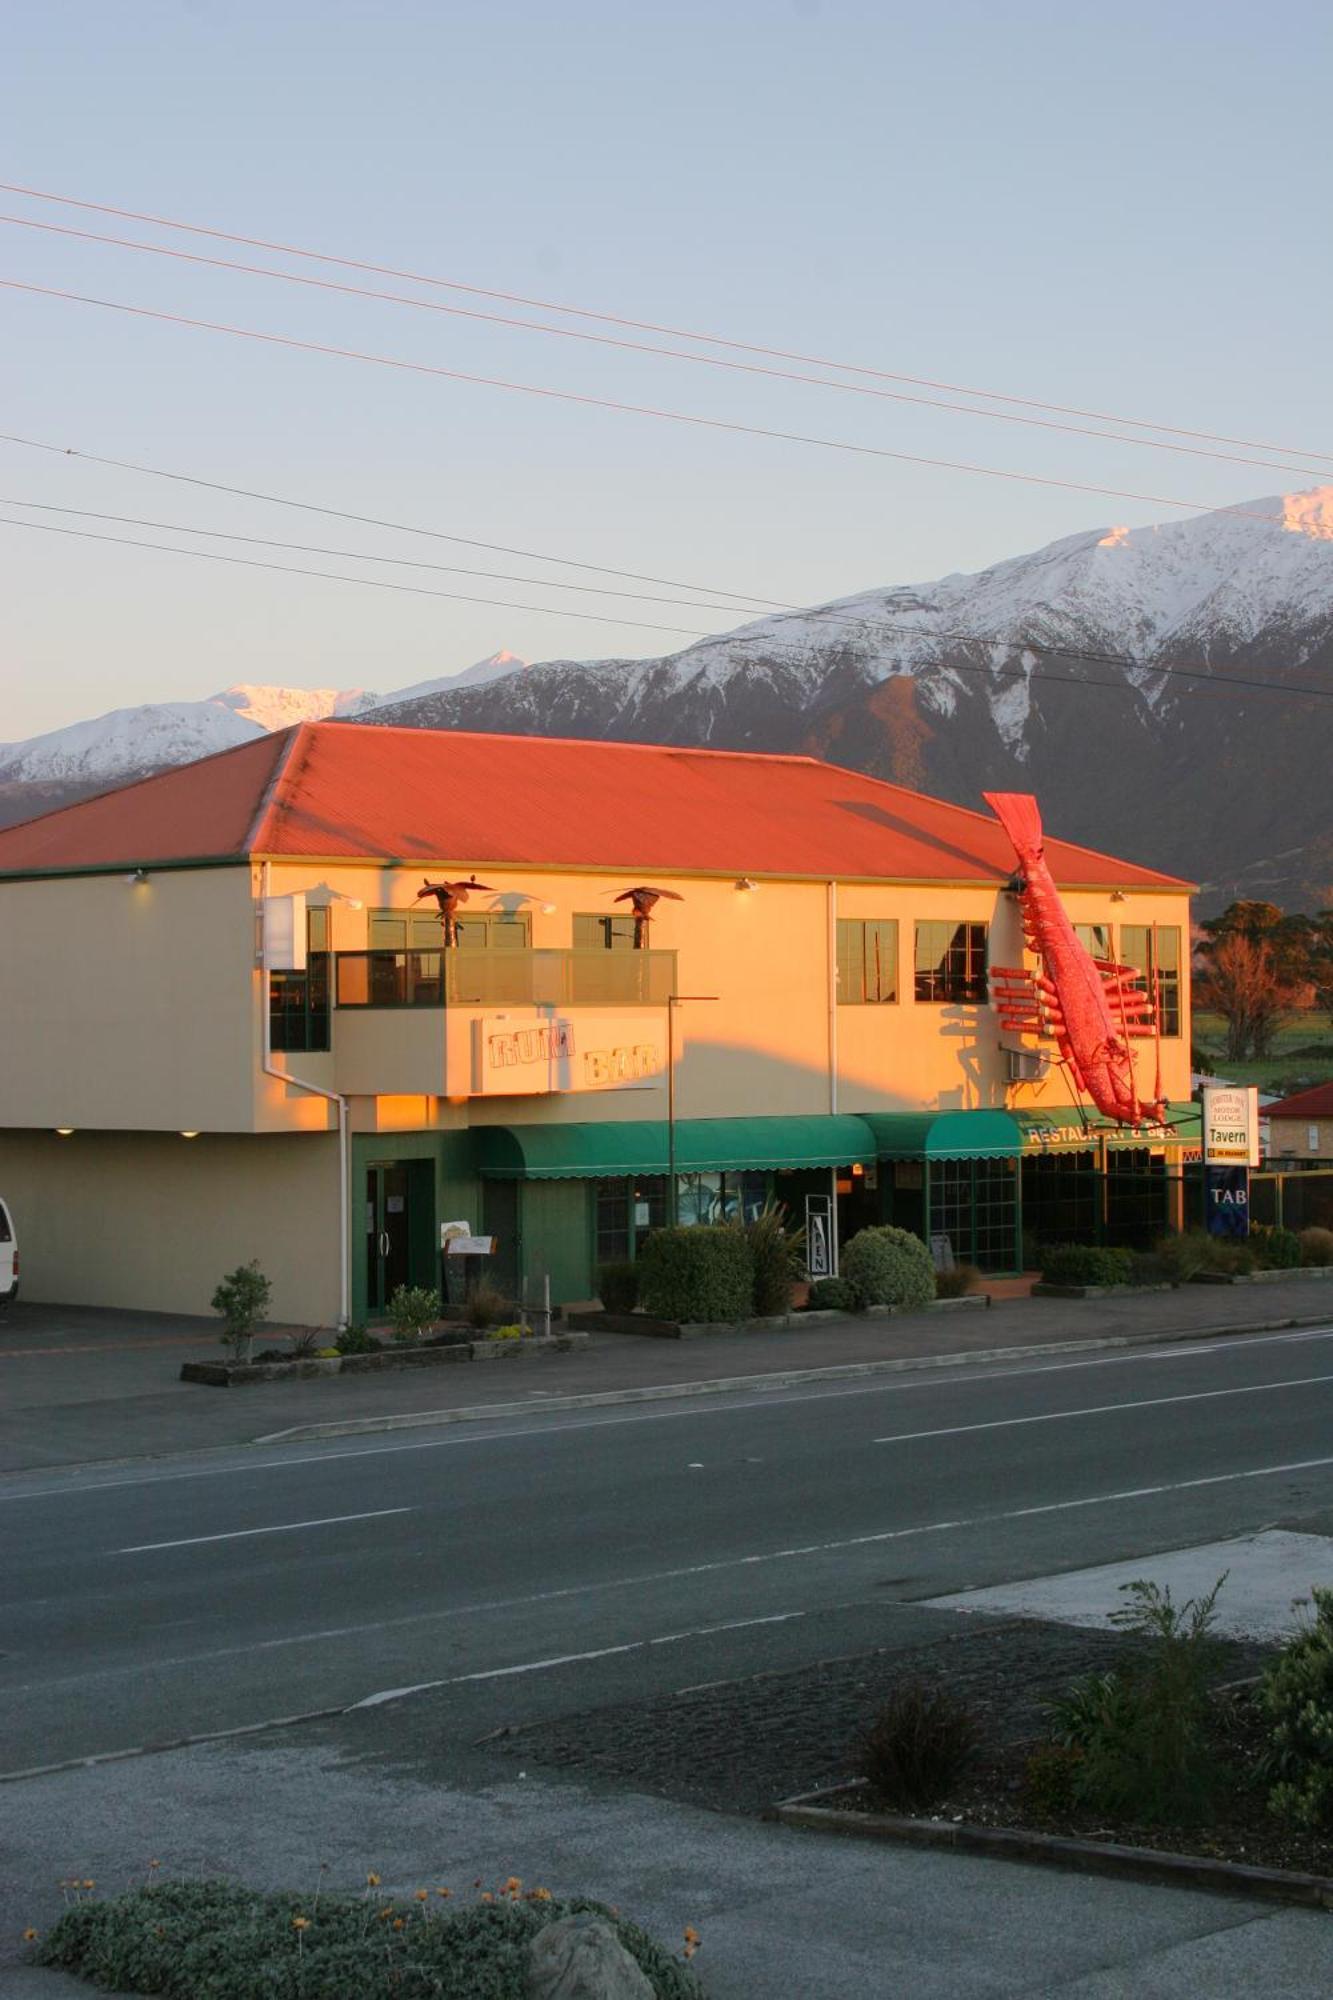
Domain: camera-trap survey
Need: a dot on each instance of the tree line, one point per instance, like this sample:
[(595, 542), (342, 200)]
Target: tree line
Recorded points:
[(1257, 965)]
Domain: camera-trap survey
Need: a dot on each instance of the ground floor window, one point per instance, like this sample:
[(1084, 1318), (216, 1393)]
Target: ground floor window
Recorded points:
[(625, 1210), (1059, 1201), (1136, 1208), (975, 1204), (715, 1198)]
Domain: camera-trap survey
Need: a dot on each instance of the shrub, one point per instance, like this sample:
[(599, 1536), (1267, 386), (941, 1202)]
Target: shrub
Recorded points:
[(242, 1299), (355, 1340), (1050, 1779), (1085, 1264), (1276, 1249), (956, 1284), (704, 1273), (1182, 1255), (888, 1267), (219, 1941), (484, 1306), (1317, 1246), (776, 1254), (918, 1746), (1297, 1697), (618, 1285), (511, 1330), (412, 1309), (1142, 1731), (832, 1295)]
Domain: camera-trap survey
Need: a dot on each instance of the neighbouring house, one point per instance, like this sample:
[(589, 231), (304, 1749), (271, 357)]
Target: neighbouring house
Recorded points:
[(231, 1028), (1301, 1128)]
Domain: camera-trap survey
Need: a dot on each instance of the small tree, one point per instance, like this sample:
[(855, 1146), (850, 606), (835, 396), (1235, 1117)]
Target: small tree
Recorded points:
[(242, 1299), (888, 1267), (412, 1309), (1243, 982)]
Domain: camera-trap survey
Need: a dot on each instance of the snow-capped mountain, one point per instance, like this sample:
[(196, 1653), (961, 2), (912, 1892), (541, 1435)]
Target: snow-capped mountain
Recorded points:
[(1164, 690), (1081, 672), (129, 741)]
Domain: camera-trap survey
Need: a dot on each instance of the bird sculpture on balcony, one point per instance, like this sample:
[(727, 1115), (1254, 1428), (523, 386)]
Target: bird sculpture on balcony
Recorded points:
[(642, 900), (450, 896)]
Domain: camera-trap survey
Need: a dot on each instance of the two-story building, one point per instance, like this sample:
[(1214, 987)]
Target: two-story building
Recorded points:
[(230, 1028)]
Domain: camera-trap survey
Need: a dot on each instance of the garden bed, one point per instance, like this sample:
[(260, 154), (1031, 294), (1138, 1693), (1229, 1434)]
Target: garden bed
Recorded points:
[(1240, 1846), (239, 1374), (1042, 1290), (649, 1328), (1261, 1277)]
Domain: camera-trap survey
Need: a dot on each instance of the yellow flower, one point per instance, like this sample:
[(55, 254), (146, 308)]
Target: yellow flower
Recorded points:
[(300, 1923), (691, 1934), (444, 1892), (539, 1895), (88, 1883), (398, 1923), (388, 1912), (422, 1895), (30, 1935), (486, 1896), (373, 1881)]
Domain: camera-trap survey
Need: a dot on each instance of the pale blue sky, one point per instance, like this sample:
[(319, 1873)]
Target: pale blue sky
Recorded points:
[(1124, 208)]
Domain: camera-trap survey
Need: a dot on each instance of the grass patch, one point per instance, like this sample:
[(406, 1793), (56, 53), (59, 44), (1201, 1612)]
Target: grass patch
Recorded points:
[(221, 1941), (1302, 1053)]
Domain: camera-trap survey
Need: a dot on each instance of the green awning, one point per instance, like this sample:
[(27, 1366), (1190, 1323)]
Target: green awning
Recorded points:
[(1065, 1130), (944, 1135), (588, 1152)]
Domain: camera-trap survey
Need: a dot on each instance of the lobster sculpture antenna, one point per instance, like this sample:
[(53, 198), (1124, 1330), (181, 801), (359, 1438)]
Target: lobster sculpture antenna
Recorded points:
[(1093, 1008)]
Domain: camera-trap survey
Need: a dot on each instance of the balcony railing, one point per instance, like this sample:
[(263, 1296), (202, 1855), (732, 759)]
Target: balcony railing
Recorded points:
[(481, 978)]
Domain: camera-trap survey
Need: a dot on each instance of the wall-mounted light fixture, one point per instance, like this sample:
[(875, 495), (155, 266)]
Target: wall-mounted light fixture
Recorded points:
[(1117, 895), (549, 909), (746, 885), (189, 1135), (136, 877), (64, 1131)]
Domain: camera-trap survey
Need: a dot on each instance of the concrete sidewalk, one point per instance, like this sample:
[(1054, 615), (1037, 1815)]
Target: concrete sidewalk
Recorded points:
[(78, 1385), (780, 1912)]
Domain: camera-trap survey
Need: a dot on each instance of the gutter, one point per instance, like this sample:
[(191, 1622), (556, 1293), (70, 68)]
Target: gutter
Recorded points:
[(344, 1138)]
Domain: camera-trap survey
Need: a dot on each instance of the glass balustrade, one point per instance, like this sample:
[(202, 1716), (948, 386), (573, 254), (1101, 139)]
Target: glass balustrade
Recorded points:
[(507, 978)]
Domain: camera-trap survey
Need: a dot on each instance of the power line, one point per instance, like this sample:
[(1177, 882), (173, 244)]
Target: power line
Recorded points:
[(643, 347), (1214, 681), (747, 600), (331, 576), (645, 326), (730, 425)]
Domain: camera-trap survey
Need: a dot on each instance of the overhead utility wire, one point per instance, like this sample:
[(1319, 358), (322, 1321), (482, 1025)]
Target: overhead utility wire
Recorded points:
[(644, 347), (749, 600), (1214, 681), (730, 425), (331, 576), (645, 326)]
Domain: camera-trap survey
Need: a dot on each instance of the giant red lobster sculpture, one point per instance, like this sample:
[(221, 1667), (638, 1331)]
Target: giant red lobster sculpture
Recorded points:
[(1092, 1007)]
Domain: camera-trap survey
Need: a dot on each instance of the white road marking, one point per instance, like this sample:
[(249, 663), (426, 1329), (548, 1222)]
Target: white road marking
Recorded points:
[(283, 1528), (576, 1659), (692, 1409), (1105, 1409), (675, 1575)]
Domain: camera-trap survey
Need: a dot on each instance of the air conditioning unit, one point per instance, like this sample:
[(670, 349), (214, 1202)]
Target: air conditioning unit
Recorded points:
[(1025, 1065)]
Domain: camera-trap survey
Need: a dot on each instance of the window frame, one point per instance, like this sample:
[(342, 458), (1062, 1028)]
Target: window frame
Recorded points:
[(969, 990), (853, 950), (1161, 981)]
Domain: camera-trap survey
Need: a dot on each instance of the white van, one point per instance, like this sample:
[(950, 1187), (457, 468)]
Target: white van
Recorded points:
[(9, 1258)]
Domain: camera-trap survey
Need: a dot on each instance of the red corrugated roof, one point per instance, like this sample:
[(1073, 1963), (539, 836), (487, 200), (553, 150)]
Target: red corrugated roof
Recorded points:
[(343, 789), (1314, 1103)]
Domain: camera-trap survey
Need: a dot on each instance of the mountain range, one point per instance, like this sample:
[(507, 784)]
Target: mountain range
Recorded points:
[(1165, 691)]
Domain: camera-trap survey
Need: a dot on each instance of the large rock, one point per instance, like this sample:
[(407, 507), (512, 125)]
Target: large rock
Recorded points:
[(581, 1958)]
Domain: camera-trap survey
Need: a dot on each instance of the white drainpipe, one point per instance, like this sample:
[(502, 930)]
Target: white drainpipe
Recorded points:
[(344, 1136)]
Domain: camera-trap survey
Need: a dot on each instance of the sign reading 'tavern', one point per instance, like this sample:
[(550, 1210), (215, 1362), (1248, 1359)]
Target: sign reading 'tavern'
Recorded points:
[(517, 1056)]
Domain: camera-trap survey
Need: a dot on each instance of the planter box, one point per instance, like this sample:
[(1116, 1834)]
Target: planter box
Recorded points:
[(828, 1812), (1040, 1291), (1260, 1277), (239, 1374)]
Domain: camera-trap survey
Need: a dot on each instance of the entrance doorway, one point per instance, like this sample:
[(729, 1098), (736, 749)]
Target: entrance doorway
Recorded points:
[(389, 1219)]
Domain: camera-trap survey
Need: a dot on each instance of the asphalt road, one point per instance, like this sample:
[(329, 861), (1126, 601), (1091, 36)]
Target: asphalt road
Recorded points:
[(626, 1547)]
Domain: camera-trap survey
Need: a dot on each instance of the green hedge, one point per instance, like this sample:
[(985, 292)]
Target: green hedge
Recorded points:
[(218, 1941), (888, 1267), (696, 1274), (832, 1295), (1085, 1264)]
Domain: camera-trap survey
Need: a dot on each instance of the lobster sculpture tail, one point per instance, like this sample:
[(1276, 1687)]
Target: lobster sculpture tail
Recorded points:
[(1092, 1009)]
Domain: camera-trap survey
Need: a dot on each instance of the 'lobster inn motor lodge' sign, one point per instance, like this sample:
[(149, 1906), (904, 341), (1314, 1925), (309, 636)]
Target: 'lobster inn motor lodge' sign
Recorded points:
[(518, 1056), (1230, 1126)]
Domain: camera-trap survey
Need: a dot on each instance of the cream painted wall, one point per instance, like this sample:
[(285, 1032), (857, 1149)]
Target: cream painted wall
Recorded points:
[(1290, 1140), (152, 1221), (125, 1007)]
